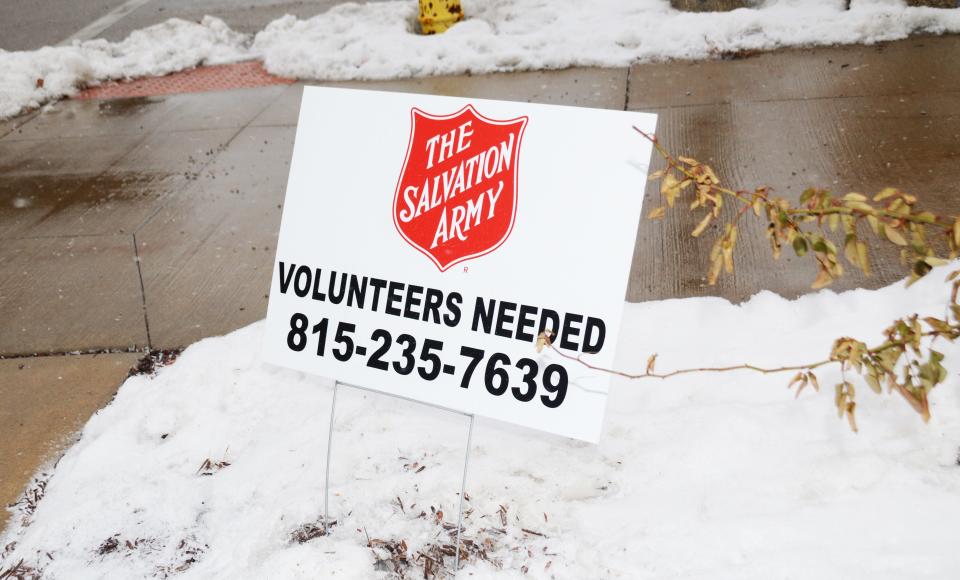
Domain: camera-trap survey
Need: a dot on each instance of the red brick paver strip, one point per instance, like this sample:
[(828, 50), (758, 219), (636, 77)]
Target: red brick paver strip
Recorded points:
[(221, 77)]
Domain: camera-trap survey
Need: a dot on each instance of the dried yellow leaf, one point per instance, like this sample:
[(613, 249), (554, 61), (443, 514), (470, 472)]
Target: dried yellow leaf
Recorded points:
[(861, 206), (715, 265), (822, 280), (895, 236), (839, 399), (796, 379), (863, 258), (775, 247), (671, 187), (849, 224), (851, 407), (888, 192), (850, 250), (728, 260), (937, 324), (803, 384), (833, 221), (544, 340), (651, 362), (709, 173), (702, 225)]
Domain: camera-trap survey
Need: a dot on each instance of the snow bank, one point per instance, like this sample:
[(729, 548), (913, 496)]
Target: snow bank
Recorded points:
[(723, 476), (377, 41), (30, 78)]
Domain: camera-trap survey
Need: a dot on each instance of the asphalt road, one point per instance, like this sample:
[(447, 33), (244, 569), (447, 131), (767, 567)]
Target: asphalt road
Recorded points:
[(31, 24)]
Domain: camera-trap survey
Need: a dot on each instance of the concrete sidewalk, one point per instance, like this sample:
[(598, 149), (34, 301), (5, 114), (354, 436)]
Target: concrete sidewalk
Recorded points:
[(151, 222)]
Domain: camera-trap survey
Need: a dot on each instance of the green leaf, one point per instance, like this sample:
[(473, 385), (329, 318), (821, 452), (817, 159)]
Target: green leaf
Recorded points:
[(800, 246), (819, 245)]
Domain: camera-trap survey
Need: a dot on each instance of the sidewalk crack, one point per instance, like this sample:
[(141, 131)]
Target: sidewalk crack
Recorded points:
[(626, 95), (143, 292)]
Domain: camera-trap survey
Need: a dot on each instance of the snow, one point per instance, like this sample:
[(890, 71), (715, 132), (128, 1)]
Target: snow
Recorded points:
[(161, 49), (378, 41), (701, 476), (374, 41)]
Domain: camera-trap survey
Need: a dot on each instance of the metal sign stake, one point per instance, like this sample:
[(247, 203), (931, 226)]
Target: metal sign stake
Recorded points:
[(326, 475), (463, 491), (463, 480)]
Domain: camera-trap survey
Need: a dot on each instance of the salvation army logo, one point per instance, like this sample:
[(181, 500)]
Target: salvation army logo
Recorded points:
[(456, 197)]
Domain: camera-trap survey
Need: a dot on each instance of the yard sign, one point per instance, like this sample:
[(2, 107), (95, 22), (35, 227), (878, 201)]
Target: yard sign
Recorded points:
[(427, 241)]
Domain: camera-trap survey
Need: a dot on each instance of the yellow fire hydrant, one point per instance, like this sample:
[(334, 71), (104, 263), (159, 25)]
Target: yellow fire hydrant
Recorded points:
[(438, 15)]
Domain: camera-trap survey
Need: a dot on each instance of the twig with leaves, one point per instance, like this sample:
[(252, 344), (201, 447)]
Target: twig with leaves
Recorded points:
[(891, 214), (905, 361)]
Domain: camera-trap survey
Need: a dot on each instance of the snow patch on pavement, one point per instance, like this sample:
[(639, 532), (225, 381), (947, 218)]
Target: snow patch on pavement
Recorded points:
[(28, 79), (378, 41), (375, 41), (702, 476)]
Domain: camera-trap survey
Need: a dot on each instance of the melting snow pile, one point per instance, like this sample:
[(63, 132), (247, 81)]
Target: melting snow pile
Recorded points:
[(31, 78), (378, 41), (214, 467)]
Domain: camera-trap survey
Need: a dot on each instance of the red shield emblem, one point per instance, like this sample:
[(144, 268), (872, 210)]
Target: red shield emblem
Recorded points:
[(456, 198)]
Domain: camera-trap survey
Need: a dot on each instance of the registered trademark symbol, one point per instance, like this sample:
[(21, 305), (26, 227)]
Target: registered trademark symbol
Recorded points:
[(466, 269)]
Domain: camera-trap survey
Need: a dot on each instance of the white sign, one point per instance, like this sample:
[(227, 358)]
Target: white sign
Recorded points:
[(427, 241)]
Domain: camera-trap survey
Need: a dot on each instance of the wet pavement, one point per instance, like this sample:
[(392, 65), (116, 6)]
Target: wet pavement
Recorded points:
[(151, 222), (29, 24), (845, 119)]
